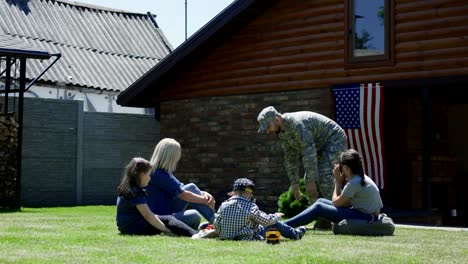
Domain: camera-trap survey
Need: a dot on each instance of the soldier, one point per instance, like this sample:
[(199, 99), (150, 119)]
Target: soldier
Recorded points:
[(316, 139)]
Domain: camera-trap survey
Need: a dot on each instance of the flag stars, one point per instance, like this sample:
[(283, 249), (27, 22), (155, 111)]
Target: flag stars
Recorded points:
[(347, 107)]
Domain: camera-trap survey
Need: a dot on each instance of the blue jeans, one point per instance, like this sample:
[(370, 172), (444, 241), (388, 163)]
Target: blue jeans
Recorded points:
[(285, 230), (191, 217), (324, 208)]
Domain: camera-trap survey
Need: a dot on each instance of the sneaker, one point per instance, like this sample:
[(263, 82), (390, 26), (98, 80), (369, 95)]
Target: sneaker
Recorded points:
[(300, 231), (206, 233), (203, 225)]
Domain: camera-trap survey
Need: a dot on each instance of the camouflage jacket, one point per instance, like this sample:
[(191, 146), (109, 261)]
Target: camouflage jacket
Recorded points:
[(305, 134)]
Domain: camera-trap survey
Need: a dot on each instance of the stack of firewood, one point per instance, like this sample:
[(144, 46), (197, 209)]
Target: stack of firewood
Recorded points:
[(8, 149)]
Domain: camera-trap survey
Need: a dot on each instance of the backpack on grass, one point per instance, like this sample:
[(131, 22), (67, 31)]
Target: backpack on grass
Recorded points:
[(384, 226)]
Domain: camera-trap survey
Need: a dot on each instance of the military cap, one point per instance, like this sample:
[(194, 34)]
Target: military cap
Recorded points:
[(266, 115)]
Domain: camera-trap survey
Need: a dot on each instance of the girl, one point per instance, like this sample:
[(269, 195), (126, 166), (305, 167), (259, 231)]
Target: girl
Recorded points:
[(168, 196), (359, 198), (133, 214)]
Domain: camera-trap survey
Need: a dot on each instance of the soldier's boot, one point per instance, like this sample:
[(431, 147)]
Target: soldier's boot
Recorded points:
[(322, 224)]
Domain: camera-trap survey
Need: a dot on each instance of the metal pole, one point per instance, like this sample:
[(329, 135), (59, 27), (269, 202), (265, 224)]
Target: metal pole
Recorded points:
[(185, 19), (1, 73), (58, 55), (7, 82), (22, 87)]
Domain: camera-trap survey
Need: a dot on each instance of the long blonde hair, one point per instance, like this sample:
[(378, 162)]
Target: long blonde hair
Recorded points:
[(166, 155)]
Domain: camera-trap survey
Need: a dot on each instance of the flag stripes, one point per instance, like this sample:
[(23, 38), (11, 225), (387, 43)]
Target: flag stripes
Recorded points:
[(359, 112)]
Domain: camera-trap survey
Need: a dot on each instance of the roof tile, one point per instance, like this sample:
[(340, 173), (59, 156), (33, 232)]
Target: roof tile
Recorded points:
[(101, 48)]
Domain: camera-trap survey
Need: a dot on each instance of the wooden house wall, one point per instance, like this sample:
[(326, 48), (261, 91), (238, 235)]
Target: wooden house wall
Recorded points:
[(299, 44)]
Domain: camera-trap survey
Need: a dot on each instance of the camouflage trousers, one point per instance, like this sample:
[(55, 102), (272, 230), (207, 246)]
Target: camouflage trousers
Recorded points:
[(327, 158)]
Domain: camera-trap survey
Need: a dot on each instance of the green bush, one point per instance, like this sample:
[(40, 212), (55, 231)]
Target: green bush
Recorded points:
[(288, 205)]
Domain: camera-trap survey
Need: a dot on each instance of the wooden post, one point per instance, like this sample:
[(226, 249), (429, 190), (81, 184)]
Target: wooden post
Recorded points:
[(7, 82), (22, 87)]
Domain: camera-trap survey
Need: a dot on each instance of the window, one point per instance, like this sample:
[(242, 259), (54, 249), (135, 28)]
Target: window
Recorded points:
[(369, 32)]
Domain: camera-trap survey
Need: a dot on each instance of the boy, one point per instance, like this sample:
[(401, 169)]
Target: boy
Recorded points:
[(239, 218)]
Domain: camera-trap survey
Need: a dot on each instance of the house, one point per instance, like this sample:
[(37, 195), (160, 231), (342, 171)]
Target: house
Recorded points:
[(103, 50), (52, 152), (71, 144), (291, 54)]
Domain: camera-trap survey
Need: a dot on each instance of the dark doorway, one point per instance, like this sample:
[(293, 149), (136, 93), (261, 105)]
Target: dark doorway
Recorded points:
[(426, 135)]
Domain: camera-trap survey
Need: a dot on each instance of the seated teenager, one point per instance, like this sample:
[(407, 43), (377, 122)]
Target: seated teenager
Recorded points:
[(359, 198)]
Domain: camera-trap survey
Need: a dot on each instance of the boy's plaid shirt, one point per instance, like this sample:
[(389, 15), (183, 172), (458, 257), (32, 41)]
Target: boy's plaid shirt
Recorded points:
[(238, 218)]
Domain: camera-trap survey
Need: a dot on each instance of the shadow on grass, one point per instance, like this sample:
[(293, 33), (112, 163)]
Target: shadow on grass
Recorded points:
[(9, 210)]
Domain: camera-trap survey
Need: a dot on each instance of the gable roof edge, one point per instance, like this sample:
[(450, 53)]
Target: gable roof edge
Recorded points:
[(98, 7), (197, 40)]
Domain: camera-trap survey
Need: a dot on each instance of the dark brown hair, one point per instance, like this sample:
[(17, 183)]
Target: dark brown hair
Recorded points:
[(353, 160), (132, 173)]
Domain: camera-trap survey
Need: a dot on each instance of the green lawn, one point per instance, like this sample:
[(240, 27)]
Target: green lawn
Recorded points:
[(89, 235)]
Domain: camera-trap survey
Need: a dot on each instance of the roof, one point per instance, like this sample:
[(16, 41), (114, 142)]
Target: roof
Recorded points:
[(225, 23), (13, 47), (102, 48)]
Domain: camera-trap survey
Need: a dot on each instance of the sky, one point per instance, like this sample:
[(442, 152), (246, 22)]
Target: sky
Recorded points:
[(370, 22), (171, 13)]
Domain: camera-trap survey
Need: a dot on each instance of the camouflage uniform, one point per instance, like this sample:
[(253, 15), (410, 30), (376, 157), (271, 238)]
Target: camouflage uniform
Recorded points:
[(316, 139)]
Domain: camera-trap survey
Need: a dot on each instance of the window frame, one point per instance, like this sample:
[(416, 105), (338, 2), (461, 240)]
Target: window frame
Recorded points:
[(385, 59)]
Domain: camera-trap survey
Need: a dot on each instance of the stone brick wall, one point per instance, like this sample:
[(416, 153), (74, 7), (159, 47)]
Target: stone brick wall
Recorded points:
[(8, 151), (220, 141)]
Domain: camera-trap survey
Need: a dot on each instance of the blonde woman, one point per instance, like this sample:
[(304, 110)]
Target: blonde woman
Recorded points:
[(168, 196)]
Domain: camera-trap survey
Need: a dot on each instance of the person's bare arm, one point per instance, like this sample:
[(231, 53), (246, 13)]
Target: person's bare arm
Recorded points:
[(339, 200), (211, 199), (151, 218), (193, 198)]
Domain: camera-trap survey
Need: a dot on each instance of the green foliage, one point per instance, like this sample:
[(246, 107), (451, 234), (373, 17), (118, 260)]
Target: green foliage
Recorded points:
[(288, 205), (381, 15), (363, 41)]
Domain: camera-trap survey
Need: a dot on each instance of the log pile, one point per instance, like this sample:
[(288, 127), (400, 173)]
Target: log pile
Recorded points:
[(8, 149)]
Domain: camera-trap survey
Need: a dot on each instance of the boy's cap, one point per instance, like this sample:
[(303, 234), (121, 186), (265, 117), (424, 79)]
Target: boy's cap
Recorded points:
[(265, 116), (243, 184)]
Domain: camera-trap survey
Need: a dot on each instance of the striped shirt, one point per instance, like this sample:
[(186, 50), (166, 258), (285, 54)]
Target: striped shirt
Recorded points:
[(238, 218)]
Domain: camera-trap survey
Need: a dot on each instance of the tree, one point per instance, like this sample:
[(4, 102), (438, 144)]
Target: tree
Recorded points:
[(381, 15), (363, 41)]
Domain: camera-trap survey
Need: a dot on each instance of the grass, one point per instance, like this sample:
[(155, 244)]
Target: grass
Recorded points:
[(88, 235)]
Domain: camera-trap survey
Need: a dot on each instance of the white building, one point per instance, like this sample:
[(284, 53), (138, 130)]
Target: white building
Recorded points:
[(102, 50)]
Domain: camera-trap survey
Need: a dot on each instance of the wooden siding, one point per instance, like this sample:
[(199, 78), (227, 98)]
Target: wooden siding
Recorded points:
[(300, 44)]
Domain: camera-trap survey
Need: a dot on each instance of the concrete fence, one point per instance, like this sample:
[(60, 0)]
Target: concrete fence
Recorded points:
[(72, 157)]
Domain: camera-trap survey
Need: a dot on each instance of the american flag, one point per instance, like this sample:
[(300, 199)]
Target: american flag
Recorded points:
[(358, 110)]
